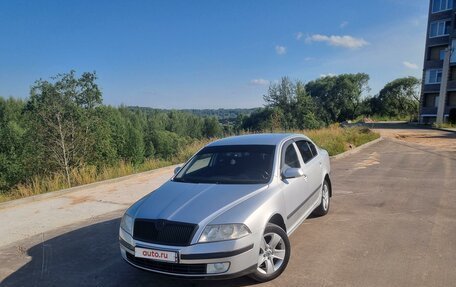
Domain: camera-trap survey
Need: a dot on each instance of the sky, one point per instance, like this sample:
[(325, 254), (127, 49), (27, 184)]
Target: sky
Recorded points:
[(207, 54)]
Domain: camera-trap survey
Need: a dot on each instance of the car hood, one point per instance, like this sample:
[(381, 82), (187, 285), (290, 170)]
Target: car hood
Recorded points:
[(194, 203)]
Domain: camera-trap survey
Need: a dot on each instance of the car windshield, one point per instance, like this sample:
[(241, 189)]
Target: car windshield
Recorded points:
[(231, 164)]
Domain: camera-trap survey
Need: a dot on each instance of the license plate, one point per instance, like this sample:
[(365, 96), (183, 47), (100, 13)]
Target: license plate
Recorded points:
[(158, 255)]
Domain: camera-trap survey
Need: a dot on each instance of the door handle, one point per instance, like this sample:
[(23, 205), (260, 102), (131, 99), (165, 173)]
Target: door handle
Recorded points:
[(305, 177)]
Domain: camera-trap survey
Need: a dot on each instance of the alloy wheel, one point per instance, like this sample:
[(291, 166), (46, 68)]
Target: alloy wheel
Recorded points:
[(325, 196), (272, 253)]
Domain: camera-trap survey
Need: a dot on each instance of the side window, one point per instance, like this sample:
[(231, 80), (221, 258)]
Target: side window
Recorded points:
[(305, 150), (313, 148), (290, 158)]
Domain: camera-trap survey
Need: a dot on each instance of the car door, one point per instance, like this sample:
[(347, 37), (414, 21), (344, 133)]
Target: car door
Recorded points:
[(295, 190), (312, 171)]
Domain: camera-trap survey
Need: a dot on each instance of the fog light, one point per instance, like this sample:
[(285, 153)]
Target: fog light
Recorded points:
[(214, 268)]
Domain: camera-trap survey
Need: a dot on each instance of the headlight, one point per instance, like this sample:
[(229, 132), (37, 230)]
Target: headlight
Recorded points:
[(127, 224), (219, 232)]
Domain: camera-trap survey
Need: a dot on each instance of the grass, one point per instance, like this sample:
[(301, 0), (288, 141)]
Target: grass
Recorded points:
[(334, 139), (337, 140), (90, 174), (445, 126), (378, 118)]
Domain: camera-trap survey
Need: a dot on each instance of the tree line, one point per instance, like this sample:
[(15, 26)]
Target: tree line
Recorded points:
[(64, 125), (295, 105)]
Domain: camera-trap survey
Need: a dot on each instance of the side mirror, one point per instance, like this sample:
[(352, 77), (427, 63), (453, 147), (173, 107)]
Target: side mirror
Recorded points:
[(293, 173), (177, 169)]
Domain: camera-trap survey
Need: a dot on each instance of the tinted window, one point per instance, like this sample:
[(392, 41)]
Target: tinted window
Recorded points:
[(232, 164), (291, 158), (305, 150), (313, 148)]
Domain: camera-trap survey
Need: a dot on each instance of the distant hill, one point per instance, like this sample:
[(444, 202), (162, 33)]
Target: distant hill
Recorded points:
[(223, 115)]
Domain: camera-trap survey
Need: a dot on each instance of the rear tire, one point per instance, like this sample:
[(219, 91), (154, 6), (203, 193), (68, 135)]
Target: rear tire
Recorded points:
[(274, 254), (323, 208)]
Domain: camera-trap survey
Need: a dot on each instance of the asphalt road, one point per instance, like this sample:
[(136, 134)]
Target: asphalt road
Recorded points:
[(392, 223)]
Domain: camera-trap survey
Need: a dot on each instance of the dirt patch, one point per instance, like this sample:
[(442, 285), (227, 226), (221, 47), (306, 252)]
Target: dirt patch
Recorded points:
[(80, 199), (445, 141), (373, 159), (442, 141), (112, 189)]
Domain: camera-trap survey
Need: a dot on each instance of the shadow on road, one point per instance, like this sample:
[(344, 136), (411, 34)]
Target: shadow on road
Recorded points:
[(89, 256)]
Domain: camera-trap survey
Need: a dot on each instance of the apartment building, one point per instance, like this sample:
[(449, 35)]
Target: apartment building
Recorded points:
[(441, 34)]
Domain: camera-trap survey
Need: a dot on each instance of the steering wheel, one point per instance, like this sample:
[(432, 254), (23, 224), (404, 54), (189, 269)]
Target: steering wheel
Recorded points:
[(261, 173)]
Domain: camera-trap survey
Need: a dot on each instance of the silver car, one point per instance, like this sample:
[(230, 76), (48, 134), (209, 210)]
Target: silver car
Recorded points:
[(229, 210)]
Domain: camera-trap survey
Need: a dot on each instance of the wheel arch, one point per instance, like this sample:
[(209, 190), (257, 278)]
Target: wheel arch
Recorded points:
[(329, 183), (277, 219)]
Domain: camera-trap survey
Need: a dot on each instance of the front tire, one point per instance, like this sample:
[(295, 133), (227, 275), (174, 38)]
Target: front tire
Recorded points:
[(323, 208), (274, 254)]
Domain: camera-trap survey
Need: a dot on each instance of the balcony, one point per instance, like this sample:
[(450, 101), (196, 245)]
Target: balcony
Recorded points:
[(428, 110), (447, 14), (451, 85), (443, 40), (431, 88), (433, 64)]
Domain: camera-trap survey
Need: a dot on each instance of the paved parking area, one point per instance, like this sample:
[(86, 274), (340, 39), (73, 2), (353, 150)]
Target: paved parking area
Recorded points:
[(392, 223)]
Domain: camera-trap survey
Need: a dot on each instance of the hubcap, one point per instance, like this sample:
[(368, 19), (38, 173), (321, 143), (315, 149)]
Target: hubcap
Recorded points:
[(272, 253), (325, 196)]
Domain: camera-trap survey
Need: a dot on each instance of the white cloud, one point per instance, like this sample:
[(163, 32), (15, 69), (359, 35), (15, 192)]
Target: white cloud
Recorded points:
[(339, 41), (299, 35), (327, 75), (343, 24), (281, 50), (382, 59), (409, 65), (307, 59), (259, 82)]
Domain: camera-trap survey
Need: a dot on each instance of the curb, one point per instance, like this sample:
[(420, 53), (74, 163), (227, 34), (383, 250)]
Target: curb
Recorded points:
[(356, 149), (61, 192), (445, 130)]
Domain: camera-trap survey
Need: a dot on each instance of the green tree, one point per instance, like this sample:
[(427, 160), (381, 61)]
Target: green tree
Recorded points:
[(61, 114), (167, 144), (291, 107), (134, 145), (282, 96), (12, 132), (305, 109), (398, 98), (106, 133), (212, 127), (339, 97)]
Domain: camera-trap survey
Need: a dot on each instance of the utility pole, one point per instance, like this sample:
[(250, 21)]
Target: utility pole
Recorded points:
[(443, 87)]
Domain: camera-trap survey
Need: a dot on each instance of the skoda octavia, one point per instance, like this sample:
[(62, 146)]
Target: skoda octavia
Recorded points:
[(229, 210)]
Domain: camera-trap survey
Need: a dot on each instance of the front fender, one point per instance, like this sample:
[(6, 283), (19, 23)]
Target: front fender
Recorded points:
[(256, 211)]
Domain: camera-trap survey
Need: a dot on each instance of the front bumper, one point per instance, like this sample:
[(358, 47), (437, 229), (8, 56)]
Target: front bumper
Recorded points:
[(241, 254)]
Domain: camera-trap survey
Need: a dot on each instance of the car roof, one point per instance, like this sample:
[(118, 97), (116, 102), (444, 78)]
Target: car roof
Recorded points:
[(256, 139)]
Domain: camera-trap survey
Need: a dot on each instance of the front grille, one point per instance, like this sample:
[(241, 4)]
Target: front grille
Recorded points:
[(164, 232), (194, 269)]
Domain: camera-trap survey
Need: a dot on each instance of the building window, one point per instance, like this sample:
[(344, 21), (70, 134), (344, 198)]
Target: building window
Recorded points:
[(441, 5), (452, 76), (431, 100), (436, 53), (433, 76), (453, 54), (442, 55), (439, 28), (451, 99)]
